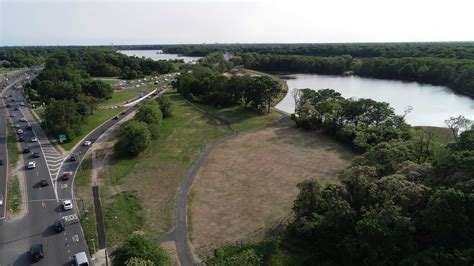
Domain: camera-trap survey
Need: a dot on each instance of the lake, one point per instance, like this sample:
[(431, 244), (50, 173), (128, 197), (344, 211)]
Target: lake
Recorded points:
[(157, 55), (431, 104)]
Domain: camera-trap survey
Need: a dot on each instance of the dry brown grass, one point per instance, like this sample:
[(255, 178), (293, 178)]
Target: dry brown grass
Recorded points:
[(247, 185)]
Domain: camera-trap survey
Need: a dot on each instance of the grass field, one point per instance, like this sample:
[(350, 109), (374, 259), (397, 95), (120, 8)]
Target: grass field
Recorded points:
[(12, 147), (120, 97), (440, 134), (14, 195), (96, 119), (240, 118), (82, 189), (246, 187), (156, 175)]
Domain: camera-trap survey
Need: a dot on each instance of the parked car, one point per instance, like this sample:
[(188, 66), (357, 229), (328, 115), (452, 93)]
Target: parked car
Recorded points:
[(31, 165), (43, 183), (36, 252), (87, 143), (36, 155), (67, 175), (80, 259), (59, 225), (67, 205), (26, 150), (21, 139)]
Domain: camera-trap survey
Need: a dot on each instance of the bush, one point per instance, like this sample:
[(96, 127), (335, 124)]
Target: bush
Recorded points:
[(166, 106), (138, 246)]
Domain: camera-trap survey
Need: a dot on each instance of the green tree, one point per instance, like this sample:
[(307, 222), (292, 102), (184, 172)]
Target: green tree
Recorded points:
[(150, 113), (62, 117), (166, 106), (133, 138), (138, 246), (134, 261)]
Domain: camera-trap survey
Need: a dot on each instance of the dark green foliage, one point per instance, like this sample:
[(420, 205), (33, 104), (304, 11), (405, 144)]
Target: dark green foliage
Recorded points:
[(166, 106), (133, 138), (150, 114), (362, 123), (210, 87), (98, 89), (138, 246), (63, 117)]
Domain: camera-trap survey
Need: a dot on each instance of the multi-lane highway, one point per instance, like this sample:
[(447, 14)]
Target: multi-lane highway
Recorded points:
[(44, 203), (16, 237)]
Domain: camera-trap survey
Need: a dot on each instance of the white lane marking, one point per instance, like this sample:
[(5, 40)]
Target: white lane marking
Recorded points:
[(71, 217), (34, 133), (75, 238)]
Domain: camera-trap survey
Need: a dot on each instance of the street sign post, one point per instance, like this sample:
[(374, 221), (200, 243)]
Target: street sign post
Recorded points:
[(62, 137)]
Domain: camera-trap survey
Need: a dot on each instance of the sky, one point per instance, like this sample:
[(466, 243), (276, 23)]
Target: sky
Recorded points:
[(105, 22)]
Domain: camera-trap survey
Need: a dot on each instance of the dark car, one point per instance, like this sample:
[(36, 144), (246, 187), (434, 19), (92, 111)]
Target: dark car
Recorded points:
[(36, 155), (36, 252), (8, 105), (21, 139), (59, 225), (123, 112), (72, 158), (29, 127), (1, 161), (116, 118), (43, 183), (26, 150)]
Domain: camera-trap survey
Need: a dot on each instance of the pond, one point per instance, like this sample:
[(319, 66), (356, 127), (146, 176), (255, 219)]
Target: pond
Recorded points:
[(431, 105), (158, 55)]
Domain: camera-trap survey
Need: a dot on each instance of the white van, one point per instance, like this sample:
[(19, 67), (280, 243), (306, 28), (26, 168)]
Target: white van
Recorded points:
[(80, 259)]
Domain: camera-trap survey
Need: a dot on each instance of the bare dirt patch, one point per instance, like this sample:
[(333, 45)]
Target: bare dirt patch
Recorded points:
[(246, 187)]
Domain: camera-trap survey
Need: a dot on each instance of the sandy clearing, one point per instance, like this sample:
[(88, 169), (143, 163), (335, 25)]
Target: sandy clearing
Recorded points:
[(246, 187)]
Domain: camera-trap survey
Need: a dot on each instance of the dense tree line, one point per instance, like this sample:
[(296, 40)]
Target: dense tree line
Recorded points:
[(96, 61), (459, 50), (404, 201), (456, 74), (137, 250), (363, 123), (211, 87)]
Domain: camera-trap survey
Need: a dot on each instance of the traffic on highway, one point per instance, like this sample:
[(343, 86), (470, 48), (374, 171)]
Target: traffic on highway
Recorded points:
[(49, 233)]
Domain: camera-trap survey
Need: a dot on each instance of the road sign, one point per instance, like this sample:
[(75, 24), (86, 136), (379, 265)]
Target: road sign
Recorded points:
[(62, 137)]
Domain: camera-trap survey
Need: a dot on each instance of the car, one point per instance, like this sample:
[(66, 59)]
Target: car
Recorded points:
[(13, 115), (80, 259), (20, 131), (17, 125), (87, 143), (23, 119), (26, 150), (59, 225), (8, 105), (32, 165), (123, 112), (67, 175), (1, 200), (72, 158), (116, 117), (43, 183), (34, 139), (22, 104), (21, 139), (12, 100), (36, 252), (29, 127), (1, 161), (36, 155), (10, 95), (67, 205)]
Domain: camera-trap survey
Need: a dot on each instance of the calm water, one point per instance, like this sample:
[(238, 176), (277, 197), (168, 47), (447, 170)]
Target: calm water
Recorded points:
[(431, 104), (155, 56)]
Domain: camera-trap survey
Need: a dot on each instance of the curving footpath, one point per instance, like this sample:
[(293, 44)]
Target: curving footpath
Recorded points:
[(179, 234)]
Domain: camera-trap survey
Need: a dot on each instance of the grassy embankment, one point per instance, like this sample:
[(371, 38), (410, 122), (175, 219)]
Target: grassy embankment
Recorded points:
[(82, 189), (97, 118), (14, 194), (154, 177)]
